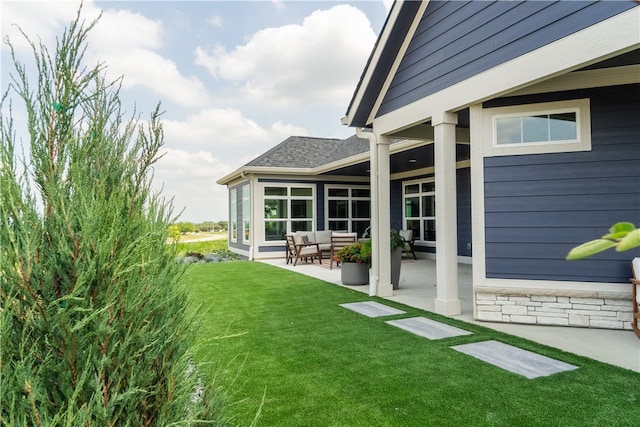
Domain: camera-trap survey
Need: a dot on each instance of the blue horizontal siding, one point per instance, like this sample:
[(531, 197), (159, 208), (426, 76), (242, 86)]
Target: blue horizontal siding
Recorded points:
[(463, 200), (538, 207), (456, 40)]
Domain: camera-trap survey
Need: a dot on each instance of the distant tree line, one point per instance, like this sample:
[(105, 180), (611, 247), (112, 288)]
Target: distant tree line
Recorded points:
[(208, 226)]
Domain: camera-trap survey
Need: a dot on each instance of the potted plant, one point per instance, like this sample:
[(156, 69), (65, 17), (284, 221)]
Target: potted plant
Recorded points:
[(396, 245), (354, 260)]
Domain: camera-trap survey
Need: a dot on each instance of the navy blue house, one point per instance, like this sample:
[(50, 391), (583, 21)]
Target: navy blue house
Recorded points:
[(502, 133)]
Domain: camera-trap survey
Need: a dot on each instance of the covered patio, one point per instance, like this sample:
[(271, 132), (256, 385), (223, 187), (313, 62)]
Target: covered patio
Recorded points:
[(418, 289)]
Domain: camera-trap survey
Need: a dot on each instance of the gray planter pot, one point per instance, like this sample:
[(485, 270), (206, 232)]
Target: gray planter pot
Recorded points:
[(396, 264), (353, 273)]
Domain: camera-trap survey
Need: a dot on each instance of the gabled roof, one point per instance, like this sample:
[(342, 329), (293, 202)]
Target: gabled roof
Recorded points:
[(309, 152), (432, 57), (304, 155), (380, 62)]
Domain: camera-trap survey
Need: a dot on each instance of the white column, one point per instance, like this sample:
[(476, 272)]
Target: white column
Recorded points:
[(381, 230), (379, 170), (447, 301)]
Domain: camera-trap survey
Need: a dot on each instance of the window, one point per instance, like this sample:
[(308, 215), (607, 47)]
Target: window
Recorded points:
[(348, 209), (246, 213), (538, 128), (233, 214), (419, 200), (287, 209)]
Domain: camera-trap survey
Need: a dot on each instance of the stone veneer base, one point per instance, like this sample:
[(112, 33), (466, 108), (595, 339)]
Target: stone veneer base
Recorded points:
[(587, 309)]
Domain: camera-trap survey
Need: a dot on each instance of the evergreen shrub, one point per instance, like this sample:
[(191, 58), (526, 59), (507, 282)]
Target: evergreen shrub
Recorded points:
[(94, 320)]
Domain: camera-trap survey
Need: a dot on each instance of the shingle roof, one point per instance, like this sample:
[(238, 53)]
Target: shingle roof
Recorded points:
[(309, 152)]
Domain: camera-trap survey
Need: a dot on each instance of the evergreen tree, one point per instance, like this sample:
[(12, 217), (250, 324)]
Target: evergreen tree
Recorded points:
[(94, 320)]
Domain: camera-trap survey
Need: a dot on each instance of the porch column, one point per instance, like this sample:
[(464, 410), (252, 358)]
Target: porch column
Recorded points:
[(380, 276), (447, 301)]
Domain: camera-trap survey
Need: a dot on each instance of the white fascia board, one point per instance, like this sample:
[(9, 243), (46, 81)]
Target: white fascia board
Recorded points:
[(263, 170), (628, 74), (397, 61), (614, 36), (373, 64)]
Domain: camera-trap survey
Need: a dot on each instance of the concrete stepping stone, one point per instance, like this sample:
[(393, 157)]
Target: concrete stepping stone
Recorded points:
[(428, 328), (372, 309), (530, 365)]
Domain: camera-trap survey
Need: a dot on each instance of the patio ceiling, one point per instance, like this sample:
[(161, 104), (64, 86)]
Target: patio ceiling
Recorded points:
[(405, 161)]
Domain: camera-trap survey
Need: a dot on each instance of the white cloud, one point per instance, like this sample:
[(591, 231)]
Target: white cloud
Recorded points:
[(128, 42), (233, 138), (41, 21), (316, 63), (387, 4), (190, 179), (215, 21)]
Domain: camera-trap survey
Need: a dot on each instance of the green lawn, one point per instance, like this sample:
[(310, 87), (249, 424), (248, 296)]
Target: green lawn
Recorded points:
[(280, 338), (205, 247)]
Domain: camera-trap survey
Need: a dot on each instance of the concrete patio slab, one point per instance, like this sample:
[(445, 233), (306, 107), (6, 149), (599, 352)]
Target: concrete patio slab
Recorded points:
[(428, 328), (528, 364), (372, 309)]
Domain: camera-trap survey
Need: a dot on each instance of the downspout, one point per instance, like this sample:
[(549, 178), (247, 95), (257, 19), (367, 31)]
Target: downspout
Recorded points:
[(374, 274)]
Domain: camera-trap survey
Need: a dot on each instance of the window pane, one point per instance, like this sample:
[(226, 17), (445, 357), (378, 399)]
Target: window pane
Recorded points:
[(360, 209), (301, 226), (359, 227), (246, 231), (275, 230), (428, 187), (428, 206), (275, 208), (412, 189), (338, 192), (414, 224), (360, 192), (429, 230), (338, 209), (508, 130), (275, 191), (304, 192), (301, 209), (339, 225), (412, 207), (563, 127), (246, 202), (535, 129)]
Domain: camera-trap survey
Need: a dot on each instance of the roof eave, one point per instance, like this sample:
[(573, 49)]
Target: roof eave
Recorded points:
[(265, 170), (372, 64)]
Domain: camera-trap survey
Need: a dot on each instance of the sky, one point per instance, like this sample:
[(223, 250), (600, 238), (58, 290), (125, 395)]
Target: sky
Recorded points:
[(234, 78)]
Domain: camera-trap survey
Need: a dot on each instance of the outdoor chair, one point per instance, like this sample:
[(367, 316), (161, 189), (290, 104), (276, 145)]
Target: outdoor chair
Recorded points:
[(635, 283), (409, 239), (302, 249), (339, 241), (290, 250)]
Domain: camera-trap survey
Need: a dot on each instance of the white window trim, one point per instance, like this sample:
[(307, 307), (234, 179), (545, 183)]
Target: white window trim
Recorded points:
[(349, 198), (246, 213), (233, 215), (419, 241), (583, 117), (288, 197)]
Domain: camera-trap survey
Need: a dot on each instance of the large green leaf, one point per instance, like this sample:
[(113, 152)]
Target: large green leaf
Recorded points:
[(590, 248), (630, 241), (619, 230)]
